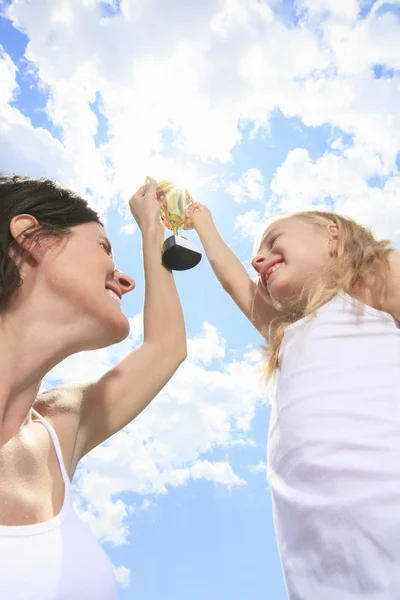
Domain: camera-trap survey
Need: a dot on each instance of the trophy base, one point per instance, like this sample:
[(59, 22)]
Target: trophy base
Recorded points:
[(180, 254)]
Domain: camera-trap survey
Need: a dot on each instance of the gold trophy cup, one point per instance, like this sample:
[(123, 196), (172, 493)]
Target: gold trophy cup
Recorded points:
[(179, 254)]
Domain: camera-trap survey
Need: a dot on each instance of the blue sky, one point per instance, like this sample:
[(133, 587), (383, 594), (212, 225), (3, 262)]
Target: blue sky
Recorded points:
[(261, 108)]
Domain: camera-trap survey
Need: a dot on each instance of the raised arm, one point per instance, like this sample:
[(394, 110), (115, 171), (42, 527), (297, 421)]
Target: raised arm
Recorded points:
[(123, 392), (229, 271)]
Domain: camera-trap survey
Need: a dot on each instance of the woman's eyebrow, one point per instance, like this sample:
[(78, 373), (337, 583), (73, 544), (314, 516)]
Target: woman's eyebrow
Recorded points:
[(107, 242)]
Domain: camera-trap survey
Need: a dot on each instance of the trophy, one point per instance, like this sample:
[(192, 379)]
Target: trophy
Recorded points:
[(179, 253)]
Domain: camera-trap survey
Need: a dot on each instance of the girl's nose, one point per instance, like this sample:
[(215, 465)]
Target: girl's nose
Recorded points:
[(257, 262)]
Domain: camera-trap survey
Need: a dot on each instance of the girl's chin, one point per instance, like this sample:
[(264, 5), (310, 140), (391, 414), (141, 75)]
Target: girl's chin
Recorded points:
[(285, 300), (279, 294)]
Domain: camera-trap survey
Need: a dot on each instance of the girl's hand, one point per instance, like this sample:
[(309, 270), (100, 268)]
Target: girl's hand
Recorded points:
[(198, 215), (145, 207)]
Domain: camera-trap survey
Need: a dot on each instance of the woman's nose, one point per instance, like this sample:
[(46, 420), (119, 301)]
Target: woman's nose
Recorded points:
[(126, 283), (257, 262)]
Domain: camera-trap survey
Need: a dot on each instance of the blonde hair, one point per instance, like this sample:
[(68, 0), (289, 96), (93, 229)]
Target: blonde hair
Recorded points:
[(359, 264)]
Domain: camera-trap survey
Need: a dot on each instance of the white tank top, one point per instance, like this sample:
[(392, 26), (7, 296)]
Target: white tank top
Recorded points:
[(334, 454), (59, 559)]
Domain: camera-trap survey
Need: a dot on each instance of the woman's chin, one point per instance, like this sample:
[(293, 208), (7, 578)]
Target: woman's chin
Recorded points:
[(113, 331), (122, 329)]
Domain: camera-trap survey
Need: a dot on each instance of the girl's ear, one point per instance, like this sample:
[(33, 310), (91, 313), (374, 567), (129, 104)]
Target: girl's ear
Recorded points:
[(21, 226), (333, 232)]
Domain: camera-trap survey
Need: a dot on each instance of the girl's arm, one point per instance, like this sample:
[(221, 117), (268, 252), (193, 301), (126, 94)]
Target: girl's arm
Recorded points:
[(391, 302), (230, 272)]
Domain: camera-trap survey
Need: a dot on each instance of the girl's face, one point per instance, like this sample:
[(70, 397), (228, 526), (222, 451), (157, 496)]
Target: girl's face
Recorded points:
[(292, 253)]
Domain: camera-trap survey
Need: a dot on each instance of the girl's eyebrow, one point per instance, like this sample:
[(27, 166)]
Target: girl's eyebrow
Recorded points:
[(268, 236)]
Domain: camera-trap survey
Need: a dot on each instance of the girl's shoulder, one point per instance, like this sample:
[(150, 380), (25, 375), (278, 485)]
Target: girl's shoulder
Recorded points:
[(391, 301)]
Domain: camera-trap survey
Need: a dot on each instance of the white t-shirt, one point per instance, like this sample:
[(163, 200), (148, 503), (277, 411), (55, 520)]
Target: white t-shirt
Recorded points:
[(334, 454), (59, 559)]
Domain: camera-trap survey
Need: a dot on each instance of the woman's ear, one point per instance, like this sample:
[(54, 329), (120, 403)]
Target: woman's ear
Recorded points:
[(21, 226)]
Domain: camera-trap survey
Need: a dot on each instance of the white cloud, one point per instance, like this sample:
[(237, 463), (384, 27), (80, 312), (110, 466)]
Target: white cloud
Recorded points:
[(206, 347), (163, 89), (342, 178), (242, 442), (203, 77), (343, 9), (128, 229), (146, 504), (301, 182), (249, 187), (84, 367), (219, 472), (25, 149), (122, 575), (250, 224), (200, 409), (8, 79), (105, 517), (377, 37), (136, 327), (80, 368), (260, 467)]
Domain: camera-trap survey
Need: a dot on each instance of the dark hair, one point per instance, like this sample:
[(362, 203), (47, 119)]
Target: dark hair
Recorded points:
[(55, 208)]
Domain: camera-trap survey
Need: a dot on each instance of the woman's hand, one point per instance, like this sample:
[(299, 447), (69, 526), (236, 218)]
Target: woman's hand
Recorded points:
[(145, 207)]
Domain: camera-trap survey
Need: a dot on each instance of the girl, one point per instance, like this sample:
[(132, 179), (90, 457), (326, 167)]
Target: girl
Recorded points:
[(327, 299), (60, 293)]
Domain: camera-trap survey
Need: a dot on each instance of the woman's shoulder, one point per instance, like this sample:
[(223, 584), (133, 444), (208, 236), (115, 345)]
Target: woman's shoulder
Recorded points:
[(63, 400), (61, 408)]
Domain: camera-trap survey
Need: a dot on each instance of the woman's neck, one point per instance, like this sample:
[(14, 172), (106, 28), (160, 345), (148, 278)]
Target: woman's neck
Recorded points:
[(29, 350)]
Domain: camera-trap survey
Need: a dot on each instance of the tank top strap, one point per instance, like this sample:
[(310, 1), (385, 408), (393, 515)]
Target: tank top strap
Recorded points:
[(57, 447)]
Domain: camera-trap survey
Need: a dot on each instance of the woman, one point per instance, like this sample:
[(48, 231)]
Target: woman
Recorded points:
[(60, 294)]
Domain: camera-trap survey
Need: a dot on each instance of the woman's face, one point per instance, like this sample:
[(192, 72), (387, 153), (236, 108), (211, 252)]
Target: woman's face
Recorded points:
[(79, 272), (291, 254)]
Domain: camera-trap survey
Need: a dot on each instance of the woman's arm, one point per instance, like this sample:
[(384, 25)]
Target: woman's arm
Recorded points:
[(230, 272), (123, 392)]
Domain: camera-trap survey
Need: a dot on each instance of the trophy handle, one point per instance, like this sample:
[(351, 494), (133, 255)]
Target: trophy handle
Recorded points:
[(188, 224)]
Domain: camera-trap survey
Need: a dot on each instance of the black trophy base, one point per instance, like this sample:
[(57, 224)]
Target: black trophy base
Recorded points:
[(180, 254)]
